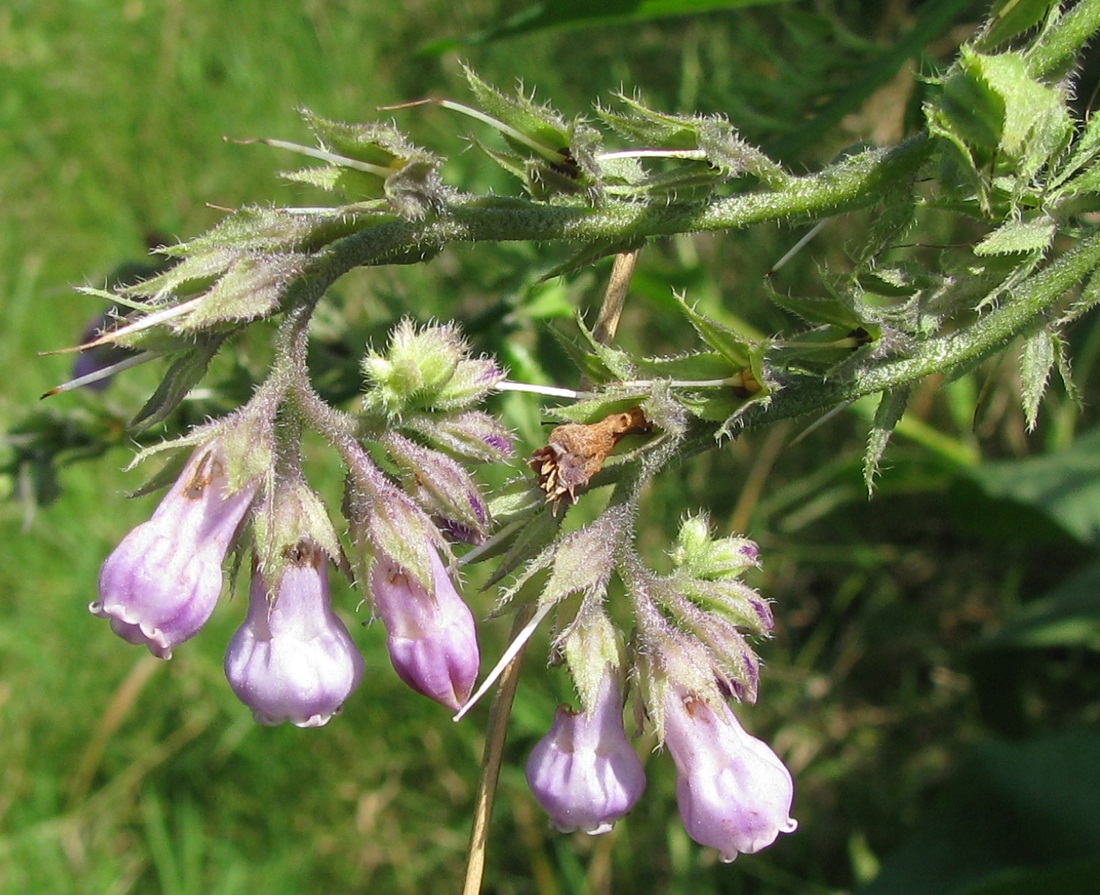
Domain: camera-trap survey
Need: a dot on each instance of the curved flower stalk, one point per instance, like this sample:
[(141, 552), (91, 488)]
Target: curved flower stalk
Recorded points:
[(584, 773), (293, 659), (161, 583), (733, 791), (431, 637)]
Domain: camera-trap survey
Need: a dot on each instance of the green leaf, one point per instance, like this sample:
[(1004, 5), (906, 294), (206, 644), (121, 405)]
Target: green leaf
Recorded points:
[(1068, 616), (1010, 18), (1013, 237), (1063, 485), (1009, 807)]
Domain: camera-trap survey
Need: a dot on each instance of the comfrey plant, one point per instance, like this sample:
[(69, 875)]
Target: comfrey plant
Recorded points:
[(1000, 146)]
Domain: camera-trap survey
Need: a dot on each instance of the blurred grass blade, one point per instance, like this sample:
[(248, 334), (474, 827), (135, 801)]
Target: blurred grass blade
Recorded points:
[(584, 14)]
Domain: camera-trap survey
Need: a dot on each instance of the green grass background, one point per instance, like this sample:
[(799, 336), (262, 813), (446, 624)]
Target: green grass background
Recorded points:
[(123, 774)]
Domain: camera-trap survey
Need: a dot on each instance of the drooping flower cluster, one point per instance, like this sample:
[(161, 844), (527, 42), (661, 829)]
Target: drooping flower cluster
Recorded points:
[(409, 496), (293, 659)]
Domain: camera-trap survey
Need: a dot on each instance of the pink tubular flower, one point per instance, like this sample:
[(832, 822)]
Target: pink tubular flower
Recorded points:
[(161, 584), (733, 791), (431, 637), (584, 772), (293, 659)]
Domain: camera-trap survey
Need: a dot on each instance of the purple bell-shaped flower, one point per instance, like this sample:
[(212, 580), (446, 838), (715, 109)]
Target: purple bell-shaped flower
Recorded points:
[(431, 638), (161, 583), (733, 791), (293, 659), (584, 772)]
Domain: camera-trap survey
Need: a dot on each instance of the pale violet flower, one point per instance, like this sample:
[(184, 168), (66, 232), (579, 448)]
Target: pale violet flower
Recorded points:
[(293, 659), (161, 583), (733, 791), (584, 773), (431, 638)]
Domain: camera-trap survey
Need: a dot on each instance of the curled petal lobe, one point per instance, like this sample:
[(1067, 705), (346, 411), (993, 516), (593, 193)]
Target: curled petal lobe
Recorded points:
[(733, 791), (293, 659), (432, 639), (584, 773), (162, 582)]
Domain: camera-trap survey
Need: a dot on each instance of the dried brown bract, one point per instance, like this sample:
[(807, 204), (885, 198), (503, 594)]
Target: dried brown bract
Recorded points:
[(575, 452)]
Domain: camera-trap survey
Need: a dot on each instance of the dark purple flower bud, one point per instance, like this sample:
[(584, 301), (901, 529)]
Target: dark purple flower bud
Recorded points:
[(584, 772), (472, 434), (431, 637), (161, 584), (733, 791), (293, 659), (441, 486)]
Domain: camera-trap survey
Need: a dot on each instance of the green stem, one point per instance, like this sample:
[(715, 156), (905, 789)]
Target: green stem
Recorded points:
[(855, 182), (1057, 48), (1017, 315)]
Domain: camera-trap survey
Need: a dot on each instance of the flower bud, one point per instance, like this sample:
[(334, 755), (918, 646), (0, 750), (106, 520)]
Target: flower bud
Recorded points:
[(708, 558), (293, 659), (426, 370), (161, 584), (584, 772), (431, 638), (441, 486), (733, 791)]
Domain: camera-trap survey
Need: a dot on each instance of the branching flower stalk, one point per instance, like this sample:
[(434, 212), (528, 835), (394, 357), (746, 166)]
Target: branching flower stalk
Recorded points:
[(1000, 145)]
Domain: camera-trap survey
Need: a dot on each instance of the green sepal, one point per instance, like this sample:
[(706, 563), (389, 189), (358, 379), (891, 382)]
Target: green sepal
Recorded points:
[(580, 562), (990, 106), (257, 229), (183, 375), (540, 123), (725, 153), (251, 288), (198, 270), (537, 532), (611, 400), (597, 362), (1036, 361), (1081, 161), (289, 514), (376, 143), (732, 346), (588, 256), (557, 156), (702, 365), (837, 311), (889, 412)]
